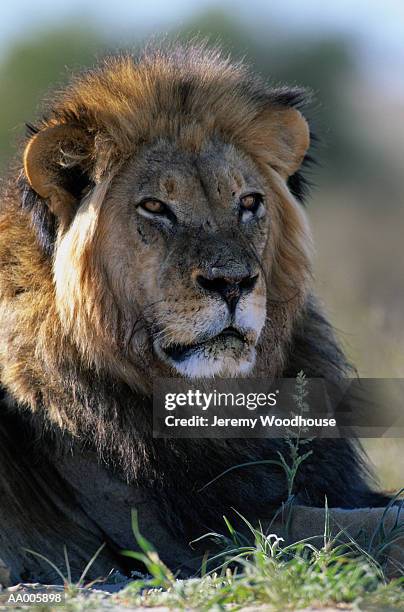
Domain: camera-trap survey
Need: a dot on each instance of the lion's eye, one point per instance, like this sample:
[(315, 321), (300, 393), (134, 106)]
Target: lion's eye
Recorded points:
[(154, 206), (250, 205), (156, 210)]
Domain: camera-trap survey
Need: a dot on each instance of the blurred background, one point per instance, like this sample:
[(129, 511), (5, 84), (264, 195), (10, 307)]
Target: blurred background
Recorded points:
[(350, 53)]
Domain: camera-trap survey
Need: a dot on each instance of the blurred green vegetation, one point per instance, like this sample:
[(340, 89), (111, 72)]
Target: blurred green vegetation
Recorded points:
[(33, 66)]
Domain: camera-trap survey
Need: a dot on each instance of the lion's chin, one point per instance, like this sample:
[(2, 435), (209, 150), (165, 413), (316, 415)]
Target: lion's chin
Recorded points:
[(226, 355)]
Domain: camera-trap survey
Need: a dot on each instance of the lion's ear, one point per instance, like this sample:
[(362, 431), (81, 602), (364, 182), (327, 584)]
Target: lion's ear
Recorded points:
[(285, 134), (56, 164)]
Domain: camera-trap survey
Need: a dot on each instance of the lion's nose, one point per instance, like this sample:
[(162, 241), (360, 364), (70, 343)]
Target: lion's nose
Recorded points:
[(229, 287)]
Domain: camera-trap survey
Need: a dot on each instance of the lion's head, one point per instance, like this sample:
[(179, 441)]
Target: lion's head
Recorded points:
[(179, 248)]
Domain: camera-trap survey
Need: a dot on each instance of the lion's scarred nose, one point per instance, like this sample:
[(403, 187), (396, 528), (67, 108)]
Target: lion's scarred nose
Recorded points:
[(230, 286)]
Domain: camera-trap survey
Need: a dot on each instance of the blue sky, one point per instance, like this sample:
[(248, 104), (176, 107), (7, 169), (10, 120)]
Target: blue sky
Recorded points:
[(377, 26)]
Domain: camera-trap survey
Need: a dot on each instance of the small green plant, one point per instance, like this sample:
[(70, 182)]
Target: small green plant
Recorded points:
[(382, 538), (290, 464), (70, 587), (161, 575)]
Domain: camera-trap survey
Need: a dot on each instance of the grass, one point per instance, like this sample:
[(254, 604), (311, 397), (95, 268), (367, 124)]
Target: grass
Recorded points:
[(262, 574), (71, 588), (268, 573)]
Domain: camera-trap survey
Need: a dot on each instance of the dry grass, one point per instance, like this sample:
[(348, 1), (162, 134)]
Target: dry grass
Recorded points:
[(360, 272)]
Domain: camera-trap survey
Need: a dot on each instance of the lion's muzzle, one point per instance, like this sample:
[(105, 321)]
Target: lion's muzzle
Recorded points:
[(215, 310)]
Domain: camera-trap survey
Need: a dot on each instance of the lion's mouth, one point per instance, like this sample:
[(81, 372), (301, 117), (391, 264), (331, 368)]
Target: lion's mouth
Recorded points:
[(228, 338)]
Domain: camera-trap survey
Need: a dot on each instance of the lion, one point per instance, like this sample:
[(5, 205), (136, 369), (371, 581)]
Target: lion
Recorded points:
[(153, 227)]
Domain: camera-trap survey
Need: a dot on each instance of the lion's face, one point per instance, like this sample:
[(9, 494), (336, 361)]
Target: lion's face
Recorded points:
[(180, 249), (183, 250)]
